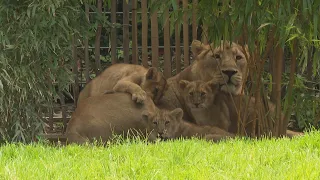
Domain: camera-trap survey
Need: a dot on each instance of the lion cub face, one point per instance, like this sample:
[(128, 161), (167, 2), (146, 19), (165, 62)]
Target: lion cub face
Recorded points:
[(154, 84), (227, 61), (162, 124), (198, 94)]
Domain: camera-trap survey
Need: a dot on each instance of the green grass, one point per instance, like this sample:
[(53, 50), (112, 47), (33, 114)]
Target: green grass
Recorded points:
[(298, 158)]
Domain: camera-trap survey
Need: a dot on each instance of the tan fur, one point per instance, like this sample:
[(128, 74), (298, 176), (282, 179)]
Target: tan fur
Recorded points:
[(200, 99), (134, 79), (98, 117), (205, 68)]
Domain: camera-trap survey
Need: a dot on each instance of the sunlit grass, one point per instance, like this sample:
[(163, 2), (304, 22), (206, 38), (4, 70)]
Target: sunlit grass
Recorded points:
[(298, 158)]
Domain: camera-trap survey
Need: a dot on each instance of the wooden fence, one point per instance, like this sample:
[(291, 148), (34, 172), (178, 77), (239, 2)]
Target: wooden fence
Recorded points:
[(172, 55)]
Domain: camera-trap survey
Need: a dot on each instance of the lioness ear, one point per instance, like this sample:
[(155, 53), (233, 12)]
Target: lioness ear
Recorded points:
[(196, 47), (245, 50), (183, 84), (177, 113), (152, 74)]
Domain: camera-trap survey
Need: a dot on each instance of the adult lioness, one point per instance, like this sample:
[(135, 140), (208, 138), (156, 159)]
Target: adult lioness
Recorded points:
[(200, 99), (134, 79), (99, 117), (205, 68), (231, 59)]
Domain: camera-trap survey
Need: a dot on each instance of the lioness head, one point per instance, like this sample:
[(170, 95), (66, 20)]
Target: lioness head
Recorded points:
[(162, 123), (228, 63), (154, 84), (198, 94)]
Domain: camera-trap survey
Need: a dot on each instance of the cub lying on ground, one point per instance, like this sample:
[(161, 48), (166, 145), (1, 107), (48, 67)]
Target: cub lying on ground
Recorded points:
[(100, 117), (134, 79), (200, 99)]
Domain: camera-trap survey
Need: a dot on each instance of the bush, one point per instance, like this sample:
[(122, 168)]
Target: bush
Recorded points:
[(36, 54)]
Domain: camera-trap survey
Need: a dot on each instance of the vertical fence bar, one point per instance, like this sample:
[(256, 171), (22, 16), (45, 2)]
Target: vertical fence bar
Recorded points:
[(50, 120), (185, 34), (194, 19), (63, 110), (155, 39), (113, 32), (278, 75), (144, 17), (125, 31), (75, 71), (97, 40), (134, 33), (86, 49), (177, 44), (167, 54)]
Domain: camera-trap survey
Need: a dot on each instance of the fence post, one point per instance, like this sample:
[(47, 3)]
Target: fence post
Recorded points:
[(155, 39), (86, 49), (134, 33), (185, 34), (97, 40), (167, 54), (125, 32), (177, 44), (113, 32), (145, 20)]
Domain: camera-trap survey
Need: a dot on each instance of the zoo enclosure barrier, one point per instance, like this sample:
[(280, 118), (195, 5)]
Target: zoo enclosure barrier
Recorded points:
[(138, 41)]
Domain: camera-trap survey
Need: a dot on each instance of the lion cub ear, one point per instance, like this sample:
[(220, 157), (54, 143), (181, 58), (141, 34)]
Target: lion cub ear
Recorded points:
[(177, 113), (152, 74), (183, 84), (212, 85), (146, 115), (197, 47)]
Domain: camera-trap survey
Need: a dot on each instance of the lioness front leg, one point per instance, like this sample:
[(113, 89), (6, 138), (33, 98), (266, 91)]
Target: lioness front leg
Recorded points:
[(138, 94), (224, 117)]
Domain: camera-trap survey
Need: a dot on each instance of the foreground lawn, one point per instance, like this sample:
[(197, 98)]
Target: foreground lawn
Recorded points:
[(298, 158)]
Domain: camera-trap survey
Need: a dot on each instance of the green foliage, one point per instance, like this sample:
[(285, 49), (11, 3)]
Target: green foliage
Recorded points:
[(254, 20), (35, 60), (298, 158)]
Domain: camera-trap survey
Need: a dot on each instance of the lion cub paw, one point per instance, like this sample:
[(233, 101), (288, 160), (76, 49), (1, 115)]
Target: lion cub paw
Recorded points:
[(139, 97)]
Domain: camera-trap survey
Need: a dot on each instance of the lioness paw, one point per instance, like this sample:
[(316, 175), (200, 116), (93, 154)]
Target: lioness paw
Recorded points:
[(139, 97)]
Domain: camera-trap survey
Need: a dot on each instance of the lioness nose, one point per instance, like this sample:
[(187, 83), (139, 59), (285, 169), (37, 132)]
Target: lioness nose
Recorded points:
[(229, 73)]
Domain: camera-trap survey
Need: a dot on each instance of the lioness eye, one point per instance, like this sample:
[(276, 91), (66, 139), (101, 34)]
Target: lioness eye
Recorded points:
[(167, 122), (191, 93), (155, 122), (238, 57), (217, 56), (203, 93)]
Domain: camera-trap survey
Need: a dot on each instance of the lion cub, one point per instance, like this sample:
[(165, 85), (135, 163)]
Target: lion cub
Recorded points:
[(200, 98), (101, 117), (137, 80)]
